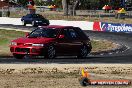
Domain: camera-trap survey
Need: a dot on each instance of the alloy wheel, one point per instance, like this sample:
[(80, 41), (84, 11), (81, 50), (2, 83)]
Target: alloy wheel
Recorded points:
[(33, 23), (83, 52), (51, 52)]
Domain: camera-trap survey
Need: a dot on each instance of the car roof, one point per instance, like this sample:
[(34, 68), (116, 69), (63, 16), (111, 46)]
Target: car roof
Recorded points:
[(56, 26)]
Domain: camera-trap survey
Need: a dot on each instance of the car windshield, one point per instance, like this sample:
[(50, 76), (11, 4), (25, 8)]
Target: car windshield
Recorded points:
[(37, 16), (43, 32)]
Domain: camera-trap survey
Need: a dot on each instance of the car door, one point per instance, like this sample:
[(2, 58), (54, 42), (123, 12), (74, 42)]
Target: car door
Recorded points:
[(75, 41), (28, 19), (64, 43), (69, 44)]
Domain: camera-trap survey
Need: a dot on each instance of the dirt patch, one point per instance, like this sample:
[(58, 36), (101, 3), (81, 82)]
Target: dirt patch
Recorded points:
[(59, 75), (103, 45)]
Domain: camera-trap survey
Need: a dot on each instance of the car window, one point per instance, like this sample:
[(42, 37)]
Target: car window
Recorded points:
[(66, 33), (36, 33), (49, 33), (43, 32), (80, 33), (70, 34), (40, 16), (73, 34), (28, 16), (37, 16)]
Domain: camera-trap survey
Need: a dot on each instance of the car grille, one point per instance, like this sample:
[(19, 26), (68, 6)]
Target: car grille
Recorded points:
[(25, 50), (22, 44), (19, 43)]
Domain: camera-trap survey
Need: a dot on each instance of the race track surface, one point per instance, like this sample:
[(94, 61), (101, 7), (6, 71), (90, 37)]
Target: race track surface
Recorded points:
[(119, 56)]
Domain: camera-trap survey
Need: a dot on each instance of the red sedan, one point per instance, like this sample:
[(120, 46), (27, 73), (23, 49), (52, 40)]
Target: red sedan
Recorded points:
[(51, 41)]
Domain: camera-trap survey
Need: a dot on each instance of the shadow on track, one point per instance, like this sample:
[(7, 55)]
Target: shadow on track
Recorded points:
[(71, 60), (17, 26)]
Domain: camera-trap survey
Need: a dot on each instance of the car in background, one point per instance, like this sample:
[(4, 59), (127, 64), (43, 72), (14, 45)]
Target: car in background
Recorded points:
[(51, 41), (34, 20)]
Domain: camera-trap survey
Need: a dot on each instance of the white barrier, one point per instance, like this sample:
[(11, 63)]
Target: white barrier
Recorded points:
[(112, 27), (14, 21), (84, 25)]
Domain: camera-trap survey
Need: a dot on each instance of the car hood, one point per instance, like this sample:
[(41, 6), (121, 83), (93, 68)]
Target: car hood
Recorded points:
[(33, 40)]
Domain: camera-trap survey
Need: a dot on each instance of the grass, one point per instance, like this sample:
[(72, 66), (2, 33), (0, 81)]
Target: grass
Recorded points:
[(102, 45), (7, 35)]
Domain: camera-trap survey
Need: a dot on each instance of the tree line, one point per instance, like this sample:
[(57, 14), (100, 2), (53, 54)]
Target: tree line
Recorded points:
[(76, 4), (83, 4)]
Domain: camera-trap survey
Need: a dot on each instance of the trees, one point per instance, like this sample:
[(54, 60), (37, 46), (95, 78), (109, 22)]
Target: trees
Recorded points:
[(22, 2), (65, 6), (88, 4), (72, 3)]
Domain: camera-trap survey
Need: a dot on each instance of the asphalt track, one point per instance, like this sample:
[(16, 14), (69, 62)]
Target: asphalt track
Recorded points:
[(122, 55)]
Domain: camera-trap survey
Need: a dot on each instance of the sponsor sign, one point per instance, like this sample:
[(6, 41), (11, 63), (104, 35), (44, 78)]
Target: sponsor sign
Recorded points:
[(112, 27), (85, 80)]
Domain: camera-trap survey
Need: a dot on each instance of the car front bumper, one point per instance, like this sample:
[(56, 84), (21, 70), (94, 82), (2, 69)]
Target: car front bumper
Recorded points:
[(27, 50), (40, 23)]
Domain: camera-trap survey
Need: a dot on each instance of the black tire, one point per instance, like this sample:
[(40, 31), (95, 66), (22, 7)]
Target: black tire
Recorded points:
[(51, 52), (47, 24), (27, 57), (83, 52), (85, 81), (33, 24), (18, 56), (23, 23)]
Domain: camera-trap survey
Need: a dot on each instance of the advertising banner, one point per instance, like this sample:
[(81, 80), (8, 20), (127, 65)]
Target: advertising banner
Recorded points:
[(112, 27)]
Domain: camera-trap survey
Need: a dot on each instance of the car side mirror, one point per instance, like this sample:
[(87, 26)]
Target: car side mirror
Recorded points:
[(27, 34), (61, 36)]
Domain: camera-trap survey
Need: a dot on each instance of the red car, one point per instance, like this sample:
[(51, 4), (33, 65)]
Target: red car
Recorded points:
[(51, 41)]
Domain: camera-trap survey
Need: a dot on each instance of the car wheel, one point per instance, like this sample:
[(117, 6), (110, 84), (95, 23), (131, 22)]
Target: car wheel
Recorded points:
[(46, 24), (23, 23), (33, 24), (51, 52), (83, 52), (18, 56)]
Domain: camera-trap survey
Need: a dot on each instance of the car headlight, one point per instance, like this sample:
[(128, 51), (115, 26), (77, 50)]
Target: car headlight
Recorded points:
[(37, 21), (13, 43), (38, 45)]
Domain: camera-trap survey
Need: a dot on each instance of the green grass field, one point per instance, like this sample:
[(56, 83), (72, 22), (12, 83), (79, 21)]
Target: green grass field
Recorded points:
[(7, 35)]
